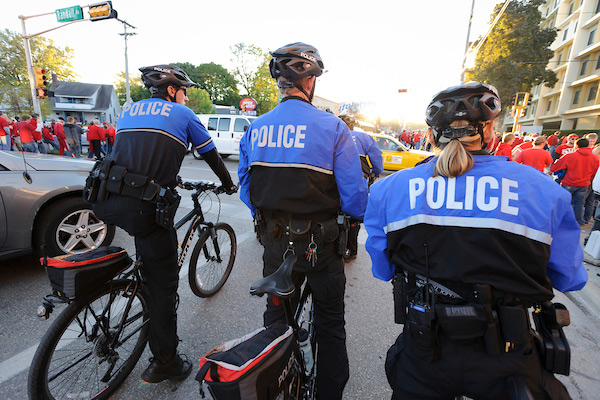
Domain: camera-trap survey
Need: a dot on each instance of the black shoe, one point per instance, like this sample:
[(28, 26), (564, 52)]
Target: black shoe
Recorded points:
[(175, 370)]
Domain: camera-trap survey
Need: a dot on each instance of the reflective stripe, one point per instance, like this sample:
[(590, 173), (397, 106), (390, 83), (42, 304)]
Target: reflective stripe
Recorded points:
[(165, 133), (201, 145), (291, 165), (471, 222)]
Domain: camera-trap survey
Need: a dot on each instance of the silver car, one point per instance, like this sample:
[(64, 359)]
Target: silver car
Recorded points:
[(42, 209)]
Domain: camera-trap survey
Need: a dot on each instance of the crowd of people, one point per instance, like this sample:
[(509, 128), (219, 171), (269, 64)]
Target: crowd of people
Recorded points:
[(31, 134), (571, 160)]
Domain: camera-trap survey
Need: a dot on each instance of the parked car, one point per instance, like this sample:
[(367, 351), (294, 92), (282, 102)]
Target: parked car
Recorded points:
[(396, 156), (41, 205), (226, 131)]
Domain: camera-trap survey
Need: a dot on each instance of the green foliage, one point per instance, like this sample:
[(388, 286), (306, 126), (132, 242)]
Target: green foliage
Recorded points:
[(246, 60), (14, 78), (137, 89), (515, 56), (220, 85), (263, 88), (199, 101)]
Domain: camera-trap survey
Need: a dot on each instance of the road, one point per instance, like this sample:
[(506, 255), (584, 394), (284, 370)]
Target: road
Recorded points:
[(205, 323)]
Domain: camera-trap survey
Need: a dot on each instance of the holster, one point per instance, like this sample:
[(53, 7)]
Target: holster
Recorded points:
[(400, 300), (95, 184), (343, 226), (553, 347), (166, 207)]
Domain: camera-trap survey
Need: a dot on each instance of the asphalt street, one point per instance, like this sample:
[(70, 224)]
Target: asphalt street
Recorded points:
[(231, 313)]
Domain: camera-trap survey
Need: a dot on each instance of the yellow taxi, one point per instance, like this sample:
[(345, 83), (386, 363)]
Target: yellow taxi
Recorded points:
[(396, 156)]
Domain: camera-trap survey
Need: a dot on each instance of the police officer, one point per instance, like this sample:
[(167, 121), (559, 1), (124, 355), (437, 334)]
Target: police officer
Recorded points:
[(151, 142), (471, 244), (298, 169), (371, 162)]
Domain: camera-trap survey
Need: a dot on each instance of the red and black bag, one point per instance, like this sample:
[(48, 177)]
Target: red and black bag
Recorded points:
[(73, 275), (253, 367)]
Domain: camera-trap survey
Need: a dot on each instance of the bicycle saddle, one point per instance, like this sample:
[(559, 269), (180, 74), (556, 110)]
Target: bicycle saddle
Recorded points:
[(279, 283)]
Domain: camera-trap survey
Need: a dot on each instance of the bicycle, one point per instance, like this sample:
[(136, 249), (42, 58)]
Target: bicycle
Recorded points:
[(95, 342), (300, 380)]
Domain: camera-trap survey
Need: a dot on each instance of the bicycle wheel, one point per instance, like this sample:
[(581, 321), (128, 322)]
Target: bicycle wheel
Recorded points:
[(212, 260), (82, 356)]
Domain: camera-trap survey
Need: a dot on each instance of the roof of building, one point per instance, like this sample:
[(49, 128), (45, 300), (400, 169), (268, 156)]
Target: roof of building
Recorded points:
[(83, 90)]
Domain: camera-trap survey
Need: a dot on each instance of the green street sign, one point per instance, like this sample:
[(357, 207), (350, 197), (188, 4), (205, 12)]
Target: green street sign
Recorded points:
[(69, 14)]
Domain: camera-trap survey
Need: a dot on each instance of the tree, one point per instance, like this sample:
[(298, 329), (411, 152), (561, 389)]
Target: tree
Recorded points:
[(515, 56), (246, 59), (263, 88), (14, 79), (220, 84), (199, 101), (137, 89)]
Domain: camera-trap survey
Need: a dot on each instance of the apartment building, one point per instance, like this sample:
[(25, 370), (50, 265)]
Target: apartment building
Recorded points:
[(573, 102)]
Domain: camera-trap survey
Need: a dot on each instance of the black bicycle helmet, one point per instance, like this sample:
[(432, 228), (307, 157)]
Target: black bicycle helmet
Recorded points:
[(349, 120), (295, 61), (159, 76), (472, 101)]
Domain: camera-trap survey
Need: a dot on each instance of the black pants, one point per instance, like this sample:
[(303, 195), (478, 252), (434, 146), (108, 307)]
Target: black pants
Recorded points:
[(328, 282), (465, 369), (97, 147), (157, 247), (353, 236)]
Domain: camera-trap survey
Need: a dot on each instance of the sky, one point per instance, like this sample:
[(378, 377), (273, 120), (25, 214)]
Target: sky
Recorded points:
[(370, 49)]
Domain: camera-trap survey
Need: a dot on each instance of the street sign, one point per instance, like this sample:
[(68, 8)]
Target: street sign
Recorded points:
[(69, 14)]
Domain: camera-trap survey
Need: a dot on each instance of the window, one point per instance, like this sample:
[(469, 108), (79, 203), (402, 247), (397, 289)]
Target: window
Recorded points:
[(212, 124), (565, 34), (571, 8), (224, 124), (575, 123), (241, 125), (592, 93), (549, 105), (576, 97), (559, 59), (598, 63), (583, 67), (598, 7), (591, 37)]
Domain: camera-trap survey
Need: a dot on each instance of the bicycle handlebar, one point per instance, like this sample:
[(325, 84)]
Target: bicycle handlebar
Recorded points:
[(202, 186)]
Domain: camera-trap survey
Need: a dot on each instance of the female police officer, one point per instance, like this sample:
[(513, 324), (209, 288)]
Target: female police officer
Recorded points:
[(471, 243)]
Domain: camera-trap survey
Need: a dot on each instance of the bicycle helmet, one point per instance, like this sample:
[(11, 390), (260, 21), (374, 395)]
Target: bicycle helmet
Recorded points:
[(472, 101), (159, 76), (349, 120), (295, 61)]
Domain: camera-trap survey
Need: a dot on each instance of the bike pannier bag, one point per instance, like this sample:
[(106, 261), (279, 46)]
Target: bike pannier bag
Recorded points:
[(73, 275), (253, 367)]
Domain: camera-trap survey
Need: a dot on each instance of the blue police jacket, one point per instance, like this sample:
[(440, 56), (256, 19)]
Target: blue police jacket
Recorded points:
[(152, 138), (300, 160), (501, 223), (367, 147)]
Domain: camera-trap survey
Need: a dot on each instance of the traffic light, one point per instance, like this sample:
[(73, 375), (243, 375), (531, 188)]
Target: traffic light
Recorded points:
[(100, 11), (42, 93), (513, 99), (40, 77), (529, 99)]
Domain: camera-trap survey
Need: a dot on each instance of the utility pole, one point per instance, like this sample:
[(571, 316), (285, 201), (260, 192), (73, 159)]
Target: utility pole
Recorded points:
[(125, 34), (462, 76)]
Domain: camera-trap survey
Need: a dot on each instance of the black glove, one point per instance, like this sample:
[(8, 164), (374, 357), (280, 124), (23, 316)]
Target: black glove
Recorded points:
[(228, 189)]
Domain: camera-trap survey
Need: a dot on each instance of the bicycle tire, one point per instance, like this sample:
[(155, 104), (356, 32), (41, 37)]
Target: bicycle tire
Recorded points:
[(207, 274), (83, 358)]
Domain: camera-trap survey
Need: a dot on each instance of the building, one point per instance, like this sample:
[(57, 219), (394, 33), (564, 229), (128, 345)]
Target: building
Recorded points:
[(573, 102), (85, 101)]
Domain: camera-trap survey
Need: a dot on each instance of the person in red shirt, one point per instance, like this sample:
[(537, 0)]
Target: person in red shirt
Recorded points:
[(527, 144), (95, 135), (59, 131), (4, 132), (536, 157), (566, 148), (553, 141), (15, 135), (518, 140), (27, 131), (580, 168), (404, 138), (417, 140), (109, 132), (504, 147), (48, 137)]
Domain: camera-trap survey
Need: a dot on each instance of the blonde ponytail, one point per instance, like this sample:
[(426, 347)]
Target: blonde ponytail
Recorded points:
[(454, 159)]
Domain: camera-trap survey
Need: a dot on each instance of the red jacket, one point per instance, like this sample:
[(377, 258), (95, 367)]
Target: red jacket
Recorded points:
[(504, 149), (94, 132), (59, 131), (46, 134), (537, 158), (581, 167), (552, 140)]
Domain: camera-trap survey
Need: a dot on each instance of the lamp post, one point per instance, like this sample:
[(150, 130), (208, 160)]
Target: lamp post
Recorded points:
[(125, 34)]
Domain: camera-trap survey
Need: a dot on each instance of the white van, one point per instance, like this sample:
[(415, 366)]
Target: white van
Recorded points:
[(226, 131)]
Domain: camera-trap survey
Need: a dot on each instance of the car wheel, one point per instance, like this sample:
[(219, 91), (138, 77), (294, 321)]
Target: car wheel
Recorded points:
[(69, 226)]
